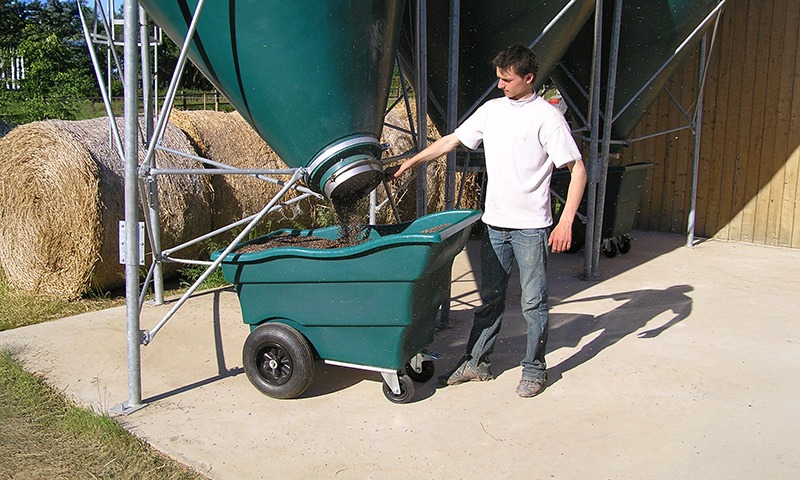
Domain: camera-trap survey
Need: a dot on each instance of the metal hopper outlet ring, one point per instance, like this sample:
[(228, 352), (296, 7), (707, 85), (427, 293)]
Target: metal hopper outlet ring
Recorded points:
[(349, 168)]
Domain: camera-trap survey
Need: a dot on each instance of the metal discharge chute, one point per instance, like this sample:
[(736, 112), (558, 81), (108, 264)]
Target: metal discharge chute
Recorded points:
[(312, 78)]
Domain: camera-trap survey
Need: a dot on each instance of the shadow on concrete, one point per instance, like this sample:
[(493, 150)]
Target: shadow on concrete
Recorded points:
[(230, 373), (637, 309), (223, 371), (565, 281)]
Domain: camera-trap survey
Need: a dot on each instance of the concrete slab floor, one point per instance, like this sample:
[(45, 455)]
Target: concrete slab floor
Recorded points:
[(676, 363)]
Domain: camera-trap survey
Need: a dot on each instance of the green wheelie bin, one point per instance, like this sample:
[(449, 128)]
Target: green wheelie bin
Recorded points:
[(624, 186)]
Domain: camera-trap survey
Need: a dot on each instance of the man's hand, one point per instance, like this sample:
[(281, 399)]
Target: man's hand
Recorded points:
[(561, 237), (436, 149), (391, 172)]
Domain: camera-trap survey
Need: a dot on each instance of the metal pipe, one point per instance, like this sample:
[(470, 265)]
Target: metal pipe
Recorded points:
[(452, 118), (230, 226), (373, 206), (152, 183), (169, 98), (390, 199), (131, 113), (143, 290), (606, 141), (116, 138), (699, 123), (594, 120), (452, 99), (404, 88), (664, 132), (690, 224), (217, 171), (567, 98), (109, 29), (422, 104)]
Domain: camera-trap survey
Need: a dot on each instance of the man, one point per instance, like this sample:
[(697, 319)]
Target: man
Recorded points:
[(524, 138)]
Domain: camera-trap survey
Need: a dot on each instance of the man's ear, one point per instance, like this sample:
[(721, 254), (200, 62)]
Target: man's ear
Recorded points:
[(529, 78)]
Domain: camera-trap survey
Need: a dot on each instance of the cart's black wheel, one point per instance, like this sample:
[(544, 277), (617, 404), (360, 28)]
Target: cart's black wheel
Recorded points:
[(406, 391), (609, 248), (424, 375), (278, 360), (624, 244)]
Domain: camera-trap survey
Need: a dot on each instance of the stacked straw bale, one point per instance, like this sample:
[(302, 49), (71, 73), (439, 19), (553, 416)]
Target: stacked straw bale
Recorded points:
[(400, 141), (229, 139), (62, 190)]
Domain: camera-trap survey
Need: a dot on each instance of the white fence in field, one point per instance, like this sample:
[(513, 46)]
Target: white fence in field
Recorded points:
[(12, 70)]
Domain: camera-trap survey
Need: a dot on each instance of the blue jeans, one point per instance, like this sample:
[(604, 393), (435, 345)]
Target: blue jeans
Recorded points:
[(499, 248)]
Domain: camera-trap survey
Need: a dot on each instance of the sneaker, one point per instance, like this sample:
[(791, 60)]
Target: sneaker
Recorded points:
[(530, 387), (464, 373)]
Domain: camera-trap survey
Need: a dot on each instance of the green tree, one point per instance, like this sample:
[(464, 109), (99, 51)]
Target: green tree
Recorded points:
[(58, 70), (48, 88), (59, 18), (12, 23)]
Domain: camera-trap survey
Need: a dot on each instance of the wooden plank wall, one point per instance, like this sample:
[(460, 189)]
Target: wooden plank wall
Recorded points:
[(750, 150)]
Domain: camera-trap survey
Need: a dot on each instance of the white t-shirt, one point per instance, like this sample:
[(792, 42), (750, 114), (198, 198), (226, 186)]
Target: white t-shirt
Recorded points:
[(522, 140)]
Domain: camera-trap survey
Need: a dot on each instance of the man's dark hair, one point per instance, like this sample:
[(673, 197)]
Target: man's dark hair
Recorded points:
[(519, 58)]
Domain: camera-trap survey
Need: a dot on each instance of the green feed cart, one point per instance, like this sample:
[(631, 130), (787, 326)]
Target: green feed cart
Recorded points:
[(370, 306)]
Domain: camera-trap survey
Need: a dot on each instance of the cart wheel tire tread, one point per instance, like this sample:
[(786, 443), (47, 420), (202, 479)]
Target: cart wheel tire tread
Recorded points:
[(278, 360), (406, 391)]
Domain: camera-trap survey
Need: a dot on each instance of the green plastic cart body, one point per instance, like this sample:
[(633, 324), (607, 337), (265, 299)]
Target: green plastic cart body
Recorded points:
[(372, 304)]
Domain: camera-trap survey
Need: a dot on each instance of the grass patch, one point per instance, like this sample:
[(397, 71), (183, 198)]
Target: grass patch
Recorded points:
[(44, 435), (19, 309)]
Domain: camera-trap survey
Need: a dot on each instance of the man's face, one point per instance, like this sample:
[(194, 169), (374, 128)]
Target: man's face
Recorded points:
[(514, 86)]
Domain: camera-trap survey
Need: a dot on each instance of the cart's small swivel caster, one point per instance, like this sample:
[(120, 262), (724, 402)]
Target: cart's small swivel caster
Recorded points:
[(609, 248), (421, 368), (624, 244), (402, 392), (425, 373)]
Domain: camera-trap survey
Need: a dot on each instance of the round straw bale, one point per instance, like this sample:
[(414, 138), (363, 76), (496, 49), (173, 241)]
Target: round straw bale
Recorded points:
[(62, 185), (227, 138)]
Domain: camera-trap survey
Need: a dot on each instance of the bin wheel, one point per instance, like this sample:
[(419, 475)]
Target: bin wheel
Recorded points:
[(422, 376), (624, 244), (278, 360), (609, 248), (406, 390)]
